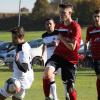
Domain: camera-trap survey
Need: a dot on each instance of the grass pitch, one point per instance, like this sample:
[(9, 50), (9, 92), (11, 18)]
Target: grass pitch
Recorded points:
[(85, 84)]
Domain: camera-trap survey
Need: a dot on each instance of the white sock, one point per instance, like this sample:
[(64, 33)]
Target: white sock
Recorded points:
[(53, 90)]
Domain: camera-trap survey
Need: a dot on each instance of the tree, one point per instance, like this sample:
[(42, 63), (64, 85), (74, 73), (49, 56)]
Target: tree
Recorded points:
[(24, 10), (55, 4), (85, 10), (41, 9)]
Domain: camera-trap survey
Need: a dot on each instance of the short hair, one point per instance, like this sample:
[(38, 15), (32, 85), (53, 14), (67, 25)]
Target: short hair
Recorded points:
[(50, 19), (18, 31), (97, 11), (66, 5)]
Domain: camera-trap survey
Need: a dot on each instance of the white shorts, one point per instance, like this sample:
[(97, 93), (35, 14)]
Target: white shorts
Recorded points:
[(58, 71), (19, 95)]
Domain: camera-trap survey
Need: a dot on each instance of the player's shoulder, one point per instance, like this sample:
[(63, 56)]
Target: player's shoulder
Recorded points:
[(25, 46), (60, 24), (55, 32), (90, 27), (44, 34), (75, 24)]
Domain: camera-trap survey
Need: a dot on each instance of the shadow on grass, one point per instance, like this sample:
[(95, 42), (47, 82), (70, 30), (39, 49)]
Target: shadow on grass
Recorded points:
[(5, 69), (85, 69), (38, 68), (85, 72), (8, 70)]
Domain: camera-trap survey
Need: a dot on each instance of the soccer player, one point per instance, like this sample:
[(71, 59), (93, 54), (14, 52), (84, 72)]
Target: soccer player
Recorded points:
[(93, 36), (50, 39), (22, 69), (65, 55)]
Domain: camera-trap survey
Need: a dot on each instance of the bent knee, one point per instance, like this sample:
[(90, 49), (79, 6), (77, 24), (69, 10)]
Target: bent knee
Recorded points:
[(49, 73)]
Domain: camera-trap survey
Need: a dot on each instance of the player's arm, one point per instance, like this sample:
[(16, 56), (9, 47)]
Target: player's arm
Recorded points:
[(87, 40), (69, 43), (21, 66), (53, 43), (43, 49)]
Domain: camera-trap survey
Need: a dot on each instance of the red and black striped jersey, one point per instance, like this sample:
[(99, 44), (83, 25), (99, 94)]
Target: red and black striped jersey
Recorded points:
[(93, 35)]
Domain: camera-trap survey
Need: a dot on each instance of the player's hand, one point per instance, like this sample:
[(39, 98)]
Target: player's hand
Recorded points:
[(53, 43), (62, 38)]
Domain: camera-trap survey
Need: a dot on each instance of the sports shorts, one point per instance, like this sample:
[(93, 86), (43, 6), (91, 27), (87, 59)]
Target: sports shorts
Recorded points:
[(68, 69), (96, 65)]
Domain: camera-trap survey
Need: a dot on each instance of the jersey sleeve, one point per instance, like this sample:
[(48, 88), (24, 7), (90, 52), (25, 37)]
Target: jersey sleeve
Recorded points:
[(25, 55), (76, 32)]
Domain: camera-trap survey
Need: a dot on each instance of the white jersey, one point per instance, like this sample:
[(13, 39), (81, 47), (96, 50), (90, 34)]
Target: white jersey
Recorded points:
[(26, 78), (49, 39)]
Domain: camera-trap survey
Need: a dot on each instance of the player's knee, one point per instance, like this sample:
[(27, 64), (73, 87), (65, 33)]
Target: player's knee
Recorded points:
[(49, 74), (49, 77), (70, 85)]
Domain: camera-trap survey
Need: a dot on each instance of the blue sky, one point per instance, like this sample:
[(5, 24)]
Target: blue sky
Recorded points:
[(12, 6)]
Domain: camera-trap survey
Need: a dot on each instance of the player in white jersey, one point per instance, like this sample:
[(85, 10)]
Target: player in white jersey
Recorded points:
[(50, 39), (22, 69)]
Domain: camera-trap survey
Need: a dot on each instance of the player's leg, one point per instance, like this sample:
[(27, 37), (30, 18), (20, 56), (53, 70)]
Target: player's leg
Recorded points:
[(97, 70), (68, 77), (49, 85), (49, 81)]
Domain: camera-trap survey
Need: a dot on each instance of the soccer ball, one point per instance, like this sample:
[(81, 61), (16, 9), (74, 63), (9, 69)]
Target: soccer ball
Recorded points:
[(12, 86)]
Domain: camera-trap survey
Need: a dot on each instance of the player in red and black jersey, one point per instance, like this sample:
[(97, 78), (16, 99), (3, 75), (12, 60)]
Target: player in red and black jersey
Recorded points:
[(66, 53), (93, 36)]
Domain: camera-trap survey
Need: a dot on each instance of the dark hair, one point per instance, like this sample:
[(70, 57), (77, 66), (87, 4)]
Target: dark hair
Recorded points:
[(97, 11), (18, 31), (50, 19), (66, 5)]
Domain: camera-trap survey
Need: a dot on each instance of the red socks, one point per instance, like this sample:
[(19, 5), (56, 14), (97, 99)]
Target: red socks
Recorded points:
[(46, 87), (73, 95)]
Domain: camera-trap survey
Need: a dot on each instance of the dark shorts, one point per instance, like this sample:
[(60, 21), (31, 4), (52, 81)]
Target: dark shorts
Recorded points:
[(97, 66), (68, 70)]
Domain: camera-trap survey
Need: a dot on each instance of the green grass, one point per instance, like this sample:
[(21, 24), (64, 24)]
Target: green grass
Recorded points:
[(6, 36), (85, 85), (84, 33)]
